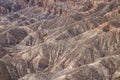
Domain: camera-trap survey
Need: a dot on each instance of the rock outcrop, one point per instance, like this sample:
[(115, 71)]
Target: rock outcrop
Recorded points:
[(60, 40)]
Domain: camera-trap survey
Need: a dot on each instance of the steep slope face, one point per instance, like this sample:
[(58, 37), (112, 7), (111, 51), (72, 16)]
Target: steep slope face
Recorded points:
[(83, 45)]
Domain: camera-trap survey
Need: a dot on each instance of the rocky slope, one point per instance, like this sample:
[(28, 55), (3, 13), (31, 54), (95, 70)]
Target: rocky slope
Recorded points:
[(60, 40)]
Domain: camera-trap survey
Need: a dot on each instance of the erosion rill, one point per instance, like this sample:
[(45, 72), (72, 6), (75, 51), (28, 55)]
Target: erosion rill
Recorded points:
[(59, 39)]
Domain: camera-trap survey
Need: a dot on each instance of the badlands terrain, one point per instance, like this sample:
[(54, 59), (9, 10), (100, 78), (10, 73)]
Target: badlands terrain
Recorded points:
[(59, 39)]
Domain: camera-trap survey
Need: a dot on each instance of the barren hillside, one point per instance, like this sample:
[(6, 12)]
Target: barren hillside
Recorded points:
[(59, 39)]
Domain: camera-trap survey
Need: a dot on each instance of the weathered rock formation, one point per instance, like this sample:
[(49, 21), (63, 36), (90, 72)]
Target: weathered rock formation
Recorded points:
[(58, 7), (60, 40)]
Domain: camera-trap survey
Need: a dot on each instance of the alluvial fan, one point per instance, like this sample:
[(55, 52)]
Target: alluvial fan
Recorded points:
[(59, 39)]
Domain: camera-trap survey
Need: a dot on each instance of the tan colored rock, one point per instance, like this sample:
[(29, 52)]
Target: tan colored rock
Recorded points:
[(61, 40)]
